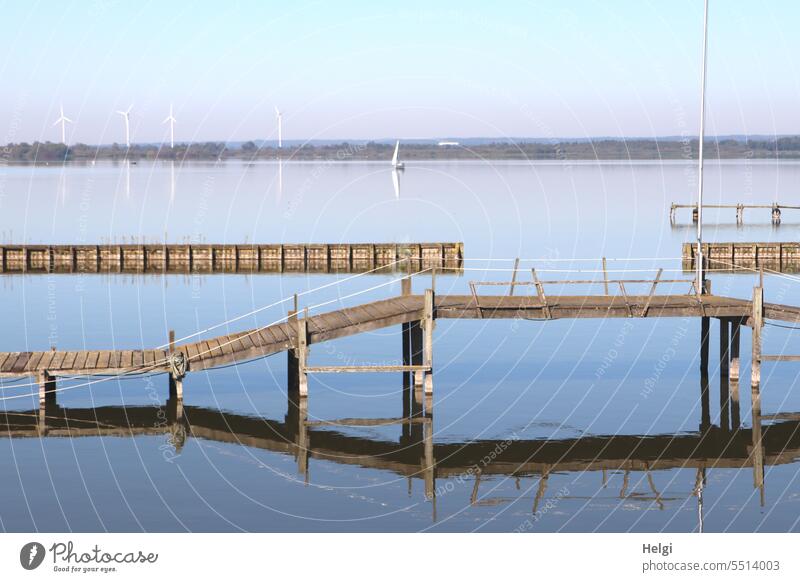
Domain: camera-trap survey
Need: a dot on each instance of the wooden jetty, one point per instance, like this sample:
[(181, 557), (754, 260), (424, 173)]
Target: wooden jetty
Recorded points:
[(775, 210), (417, 315), (230, 258)]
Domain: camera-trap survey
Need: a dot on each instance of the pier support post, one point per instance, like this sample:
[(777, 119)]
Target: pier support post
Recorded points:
[(758, 322), (297, 356), (724, 366), (47, 387), (776, 215), (734, 374), (428, 325), (694, 214)]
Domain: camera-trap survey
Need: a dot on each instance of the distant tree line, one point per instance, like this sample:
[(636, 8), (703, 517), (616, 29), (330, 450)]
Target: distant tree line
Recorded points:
[(601, 149)]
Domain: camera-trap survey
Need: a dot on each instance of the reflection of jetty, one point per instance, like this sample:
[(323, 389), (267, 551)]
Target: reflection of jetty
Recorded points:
[(229, 258), (744, 257), (416, 455), (740, 208)]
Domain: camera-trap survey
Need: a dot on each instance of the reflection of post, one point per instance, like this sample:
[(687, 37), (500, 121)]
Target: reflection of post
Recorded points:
[(407, 376), (297, 425), (699, 484), (541, 489), (734, 374), (429, 463), (758, 450), (704, 334), (705, 405), (724, 348)]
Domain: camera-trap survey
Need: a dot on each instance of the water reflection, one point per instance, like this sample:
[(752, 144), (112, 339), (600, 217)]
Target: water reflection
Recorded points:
[(416, 455)]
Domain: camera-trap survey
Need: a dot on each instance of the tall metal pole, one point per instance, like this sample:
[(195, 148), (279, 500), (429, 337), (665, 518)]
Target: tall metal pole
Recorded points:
[(699, 261)]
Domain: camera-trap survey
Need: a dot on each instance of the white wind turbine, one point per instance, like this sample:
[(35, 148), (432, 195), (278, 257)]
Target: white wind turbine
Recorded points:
[(280, 127), (171, 120), (126, 115), (63, 120)]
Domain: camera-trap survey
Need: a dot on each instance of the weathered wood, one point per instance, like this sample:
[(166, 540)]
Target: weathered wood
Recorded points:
[(227, 258), (758, 315)]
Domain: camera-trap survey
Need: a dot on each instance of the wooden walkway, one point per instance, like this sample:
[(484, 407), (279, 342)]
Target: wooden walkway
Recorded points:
[(351, 321)]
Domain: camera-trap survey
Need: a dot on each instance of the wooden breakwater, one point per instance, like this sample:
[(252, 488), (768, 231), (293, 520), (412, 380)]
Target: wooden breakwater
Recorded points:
[(230, 258), (745, 256)]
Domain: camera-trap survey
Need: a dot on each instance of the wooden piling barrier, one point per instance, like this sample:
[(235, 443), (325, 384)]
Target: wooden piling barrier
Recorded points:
[(230, 258), (744, 257), (758, 322)]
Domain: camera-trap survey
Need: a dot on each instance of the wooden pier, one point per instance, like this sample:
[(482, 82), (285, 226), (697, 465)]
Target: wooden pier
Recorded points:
[(775, 210), (744, 257), (229, 258)]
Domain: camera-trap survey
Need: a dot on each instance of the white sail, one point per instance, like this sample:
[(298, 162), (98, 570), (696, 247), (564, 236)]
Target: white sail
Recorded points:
[(396, 151)]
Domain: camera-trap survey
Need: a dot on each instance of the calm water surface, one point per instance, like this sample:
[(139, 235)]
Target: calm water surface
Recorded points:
[(558, 426)]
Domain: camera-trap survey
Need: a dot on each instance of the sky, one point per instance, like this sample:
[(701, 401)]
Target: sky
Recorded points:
[(373, 70)]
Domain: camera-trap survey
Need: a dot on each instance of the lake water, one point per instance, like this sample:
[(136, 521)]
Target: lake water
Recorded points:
[(591, 425)]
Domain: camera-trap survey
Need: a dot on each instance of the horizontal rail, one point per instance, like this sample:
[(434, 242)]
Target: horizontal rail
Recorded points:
[(736, 206), (363, 369), (780, 358)]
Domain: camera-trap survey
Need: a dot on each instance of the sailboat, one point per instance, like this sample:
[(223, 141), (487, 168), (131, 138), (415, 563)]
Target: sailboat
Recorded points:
[(396, 164)]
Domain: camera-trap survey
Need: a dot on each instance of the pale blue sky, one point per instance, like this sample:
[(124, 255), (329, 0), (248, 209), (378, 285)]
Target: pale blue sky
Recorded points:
[(396, 69)]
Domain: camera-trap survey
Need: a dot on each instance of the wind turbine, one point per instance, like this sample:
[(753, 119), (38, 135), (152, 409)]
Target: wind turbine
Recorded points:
[(63, 120), (171, 120), (280, 127), (126, 115)]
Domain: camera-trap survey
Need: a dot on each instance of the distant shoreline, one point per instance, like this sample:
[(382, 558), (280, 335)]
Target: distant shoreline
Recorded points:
[(782, 148)]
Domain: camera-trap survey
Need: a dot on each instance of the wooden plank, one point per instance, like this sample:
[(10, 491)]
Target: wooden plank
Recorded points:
[(137, 359), (127, 359), (80, 360), (102, 361), (91, 361), (57, 361), (33, 362), (21, 361), (47, 357), (69, 361), (4, 356)]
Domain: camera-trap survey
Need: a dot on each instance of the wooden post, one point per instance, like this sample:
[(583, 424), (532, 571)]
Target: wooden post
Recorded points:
[(292, 363), (47, 387), (605, 276), (758, 322), (734, 350), (428, 325), (302, 356), (514, 277), (176, 387), (171, 341), (405, 286)]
